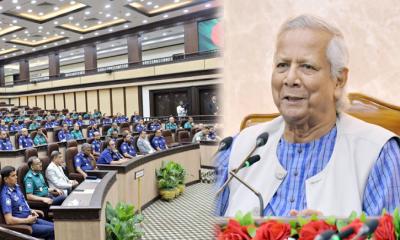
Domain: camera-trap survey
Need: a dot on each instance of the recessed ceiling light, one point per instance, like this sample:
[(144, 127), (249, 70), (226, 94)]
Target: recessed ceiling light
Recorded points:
[(33, 1), (62, 32), (45, 46), (29, 10), (33, 49), (55, 22), (85, 26), (72, 2), (44, 38), (100, 12), (127, 14), (99, 22), (71, 18), (98, 48), (41, 14), (40, 27), (14, 36), (108, 15), (67, 40), (149, 3), (6, 56), (87, 13), (81, 37), (77, 24), (115, 18), (15, 21), (164, 34), (14, 46), (96, 33), (176, 1), (156, 6), (55, 44), (107, 6), (1, 7), (126, 26), (26, 31), (14, 1), (40, 31), (144, 21), (144, 38), (55, 8), (23, 52), (18, 7), (25, 39), (186, 11), (110, 29), (112, 45), (165, 16), (208, 5), (13, 54), (48, 33), (4, 39)]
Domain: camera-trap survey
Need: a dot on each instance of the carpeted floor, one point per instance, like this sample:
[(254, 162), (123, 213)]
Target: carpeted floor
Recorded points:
[(188, 217)]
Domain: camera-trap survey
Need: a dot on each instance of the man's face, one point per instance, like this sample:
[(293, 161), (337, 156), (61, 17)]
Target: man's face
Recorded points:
[(158, 133), (12, 179), (59, 160), (87, 151), (76, 127), (3, 135), (65, 127), (24, 132), (171, 120), (37, 165), (302, 86), (97, 136), (128, 138)]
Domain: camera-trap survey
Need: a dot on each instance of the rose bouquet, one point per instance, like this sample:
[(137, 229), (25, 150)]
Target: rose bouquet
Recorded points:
[(244, 227)]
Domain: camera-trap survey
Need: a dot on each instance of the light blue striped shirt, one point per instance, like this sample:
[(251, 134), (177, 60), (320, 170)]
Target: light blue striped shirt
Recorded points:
[(304, 160)]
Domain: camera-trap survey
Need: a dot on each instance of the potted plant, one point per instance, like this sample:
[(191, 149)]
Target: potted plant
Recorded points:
[(167, 181), (180, 175), (122, 222)]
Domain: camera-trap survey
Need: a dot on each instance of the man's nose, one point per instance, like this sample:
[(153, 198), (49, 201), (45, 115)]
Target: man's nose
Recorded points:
[(292, 78)]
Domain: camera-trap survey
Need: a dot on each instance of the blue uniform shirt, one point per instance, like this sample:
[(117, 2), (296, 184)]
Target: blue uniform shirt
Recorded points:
[(159, 142), (5, 144), (64, 136), (140, 128), (92, 122), (25, 141), (91, 132), (82, 161), (3, 128), (121, 119), (15, 128), (68, 121), (79, 122), (13, 201), (96, 144), (155, 126), (107, 121), (128, 148), (107, 156)]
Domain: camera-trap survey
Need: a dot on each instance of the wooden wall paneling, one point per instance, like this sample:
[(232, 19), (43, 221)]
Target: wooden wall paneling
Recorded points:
[(118, 101), (24, 70), (105, 105), (90, 53), (134, 49), (59, 101), (54, 64), (15, 101), (92, 100), (40, 101), (49, 101), (80, 101), (2, 77), (31, 101), (191, 37), (69, 101), (131, 100)]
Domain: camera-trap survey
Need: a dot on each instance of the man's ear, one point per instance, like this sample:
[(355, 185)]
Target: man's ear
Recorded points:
[(341, 82)]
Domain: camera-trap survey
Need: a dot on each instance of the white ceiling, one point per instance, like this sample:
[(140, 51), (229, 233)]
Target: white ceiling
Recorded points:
[(97, 10)]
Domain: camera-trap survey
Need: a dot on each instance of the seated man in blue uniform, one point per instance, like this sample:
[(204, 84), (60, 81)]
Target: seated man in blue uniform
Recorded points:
[(126, 147), (84, 160), (16, 210), (96, 144), (158, 142), (107, 121), (36, 187), (64, 134), (16, 127), (135, 117), (5, 143), (114, 127), (79, 121), (3, 126), (140, 126), (110, 155), (68, 120), (155, 125), (317, 159), (25, 140), (93, 130)]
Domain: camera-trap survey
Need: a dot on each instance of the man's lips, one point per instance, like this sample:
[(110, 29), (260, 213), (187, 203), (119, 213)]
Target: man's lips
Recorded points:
[(292, 98)]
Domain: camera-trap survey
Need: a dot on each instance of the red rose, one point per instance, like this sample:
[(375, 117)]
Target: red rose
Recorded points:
[(310, 230), (234, 231), (273, 230), (385, 230), (356, 225)]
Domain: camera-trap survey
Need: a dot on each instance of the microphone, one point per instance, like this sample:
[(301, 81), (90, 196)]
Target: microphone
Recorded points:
[(325, 235), (260, 141), (250, 161), (225, 144), (343, 234), (367, 228)]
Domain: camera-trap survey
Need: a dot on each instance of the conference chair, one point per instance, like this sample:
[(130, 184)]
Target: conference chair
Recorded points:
[(69, 162), (124, 126), (169, 139), (72, 143), (184, 137)]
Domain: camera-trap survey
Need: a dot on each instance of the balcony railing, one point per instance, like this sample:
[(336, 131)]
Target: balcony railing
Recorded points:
[(108, 69)]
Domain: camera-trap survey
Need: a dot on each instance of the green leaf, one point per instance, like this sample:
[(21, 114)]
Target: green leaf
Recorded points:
[(293, 223), (247, 219), (383, 211), (331, 220), (302, 221), (396, 222), (340, 223), (363, 217), (352, 216), (252, 231), (293, 232), (314, 217), (238, 215)]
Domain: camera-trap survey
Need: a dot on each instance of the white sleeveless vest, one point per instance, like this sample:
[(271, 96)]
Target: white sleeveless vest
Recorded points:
[(337, 190)]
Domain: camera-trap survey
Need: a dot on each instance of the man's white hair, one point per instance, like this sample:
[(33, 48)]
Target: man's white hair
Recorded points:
[(336, 52)]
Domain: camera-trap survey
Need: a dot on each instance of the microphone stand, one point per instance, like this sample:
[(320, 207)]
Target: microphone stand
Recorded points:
[(235, 171), (260, 199)]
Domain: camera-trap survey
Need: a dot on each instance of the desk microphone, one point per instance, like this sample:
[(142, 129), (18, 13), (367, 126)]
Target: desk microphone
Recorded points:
[(332, 235), (225, 144), (261, 140)]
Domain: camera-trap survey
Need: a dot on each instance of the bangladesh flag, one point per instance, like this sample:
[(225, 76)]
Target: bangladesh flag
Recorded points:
[(210, 35)]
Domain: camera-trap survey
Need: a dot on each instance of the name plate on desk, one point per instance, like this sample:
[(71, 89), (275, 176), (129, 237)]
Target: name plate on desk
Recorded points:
[(139, 174)]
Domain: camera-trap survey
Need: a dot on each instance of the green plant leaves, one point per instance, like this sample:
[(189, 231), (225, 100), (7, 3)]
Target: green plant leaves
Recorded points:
[(170, 175), (122, 222)]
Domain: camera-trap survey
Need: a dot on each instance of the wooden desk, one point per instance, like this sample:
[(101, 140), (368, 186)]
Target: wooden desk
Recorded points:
[(82, 214), (207, 151)]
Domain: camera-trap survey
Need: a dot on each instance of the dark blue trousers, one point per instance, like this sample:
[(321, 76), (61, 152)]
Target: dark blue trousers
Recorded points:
[(57, 200), (43, 229)]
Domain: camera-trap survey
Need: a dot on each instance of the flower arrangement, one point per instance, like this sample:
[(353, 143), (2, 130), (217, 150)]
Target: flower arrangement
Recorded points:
[(243, 227)]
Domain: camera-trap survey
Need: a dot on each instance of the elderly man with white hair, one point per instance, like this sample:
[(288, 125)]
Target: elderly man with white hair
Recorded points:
[(317, 160)]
